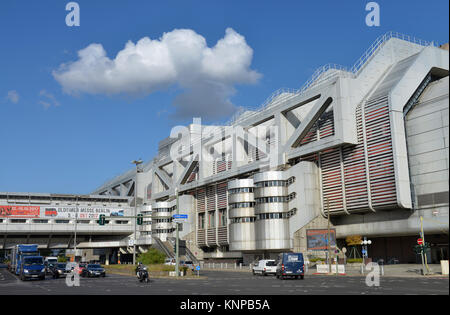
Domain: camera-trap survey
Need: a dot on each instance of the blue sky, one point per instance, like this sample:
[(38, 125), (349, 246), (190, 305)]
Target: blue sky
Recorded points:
[(71, 142)]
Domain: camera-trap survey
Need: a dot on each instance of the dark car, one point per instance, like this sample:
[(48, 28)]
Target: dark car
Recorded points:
[(290, 265), (93, 270), (61, 269)]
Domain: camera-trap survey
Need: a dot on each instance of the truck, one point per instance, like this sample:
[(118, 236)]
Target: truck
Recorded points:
[(290, 265), (26, 262)]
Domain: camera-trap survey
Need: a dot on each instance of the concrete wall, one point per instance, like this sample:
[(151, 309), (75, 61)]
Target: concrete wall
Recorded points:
[(427, 138)]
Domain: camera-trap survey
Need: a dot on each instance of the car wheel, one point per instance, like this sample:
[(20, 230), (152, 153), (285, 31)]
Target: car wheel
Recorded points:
[(302, 277), (263, 274), (253, 271)]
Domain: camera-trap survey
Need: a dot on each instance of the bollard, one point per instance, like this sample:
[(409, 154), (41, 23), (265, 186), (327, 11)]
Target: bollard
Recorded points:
[(226, 265), (235, 265), (240, 265)]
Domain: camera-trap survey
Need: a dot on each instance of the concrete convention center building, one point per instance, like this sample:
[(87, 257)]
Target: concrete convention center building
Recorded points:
[(366, 145)]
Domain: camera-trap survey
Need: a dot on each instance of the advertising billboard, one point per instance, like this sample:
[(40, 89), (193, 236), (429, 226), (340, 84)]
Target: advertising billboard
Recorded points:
[(317, 239), (83, 212), (20, 211)]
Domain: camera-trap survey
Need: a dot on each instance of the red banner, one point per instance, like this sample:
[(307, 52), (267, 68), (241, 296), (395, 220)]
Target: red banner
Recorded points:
[(20, 211)]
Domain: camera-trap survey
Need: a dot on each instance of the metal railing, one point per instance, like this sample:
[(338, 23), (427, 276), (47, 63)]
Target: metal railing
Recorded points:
[(378, 43), (226, 266)]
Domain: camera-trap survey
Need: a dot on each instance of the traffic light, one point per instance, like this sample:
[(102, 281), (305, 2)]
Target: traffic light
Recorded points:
[(101, 219), (419, 249), (140, 219)]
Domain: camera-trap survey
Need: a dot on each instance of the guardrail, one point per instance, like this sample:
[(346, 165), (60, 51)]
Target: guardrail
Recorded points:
[(226, 266)]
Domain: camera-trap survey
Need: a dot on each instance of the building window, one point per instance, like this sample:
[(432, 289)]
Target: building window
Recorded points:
[(201, 221), (211, 219), (40, 221), (18, 221), (61, 221), (222, 217)]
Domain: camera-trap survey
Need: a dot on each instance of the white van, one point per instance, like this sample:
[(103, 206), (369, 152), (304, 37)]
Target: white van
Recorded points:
[(265, 267)]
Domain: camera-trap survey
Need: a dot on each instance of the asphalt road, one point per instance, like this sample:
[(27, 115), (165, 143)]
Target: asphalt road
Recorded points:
[(224, 283)]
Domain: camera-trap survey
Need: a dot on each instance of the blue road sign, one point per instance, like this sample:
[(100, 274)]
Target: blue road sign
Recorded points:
[(180, 216), (197, 268)]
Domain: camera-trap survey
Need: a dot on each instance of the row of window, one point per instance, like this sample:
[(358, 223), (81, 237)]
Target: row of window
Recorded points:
[(265, 216), (278, 215), (242, 205), (243, 220), (262, 200), (164, 209), (240, 190), (275, 199), (275, 183), (167, 220), (271, 183)]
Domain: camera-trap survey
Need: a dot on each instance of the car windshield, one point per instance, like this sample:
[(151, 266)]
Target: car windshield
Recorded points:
[(33, 261), (271, 263), (189, 262), (94, 266), (61, 265)]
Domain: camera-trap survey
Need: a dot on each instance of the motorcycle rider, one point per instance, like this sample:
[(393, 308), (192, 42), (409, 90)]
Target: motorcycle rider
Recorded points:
[(141, 272), (139, 267)]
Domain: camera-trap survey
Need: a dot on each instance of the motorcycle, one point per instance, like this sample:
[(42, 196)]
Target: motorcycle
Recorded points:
[(142, 275)]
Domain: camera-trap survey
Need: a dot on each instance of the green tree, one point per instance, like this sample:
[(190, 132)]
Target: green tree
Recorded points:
[(151, 257), (62, 259)]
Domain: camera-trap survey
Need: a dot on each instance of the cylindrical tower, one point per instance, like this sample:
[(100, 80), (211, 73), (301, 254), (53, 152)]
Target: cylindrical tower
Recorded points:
[(162, 226), (242, 214), (146, 228), (271, 209)]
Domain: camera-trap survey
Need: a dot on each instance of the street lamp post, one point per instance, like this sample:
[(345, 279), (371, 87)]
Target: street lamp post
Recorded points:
[(135, 208), (177, 244), (364, 243), (75, 232), (328, 238)]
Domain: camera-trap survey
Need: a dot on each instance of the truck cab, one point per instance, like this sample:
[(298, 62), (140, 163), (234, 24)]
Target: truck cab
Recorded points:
[(32, 267)]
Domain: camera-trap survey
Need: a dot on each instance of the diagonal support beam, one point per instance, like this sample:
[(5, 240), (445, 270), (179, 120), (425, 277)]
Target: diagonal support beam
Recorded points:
[(188, 170), (162, 176), (322, 104)]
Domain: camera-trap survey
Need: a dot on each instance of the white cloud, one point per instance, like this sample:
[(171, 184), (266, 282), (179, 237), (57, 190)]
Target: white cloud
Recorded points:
[(179, 58), (13, 96), (50, 99)]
